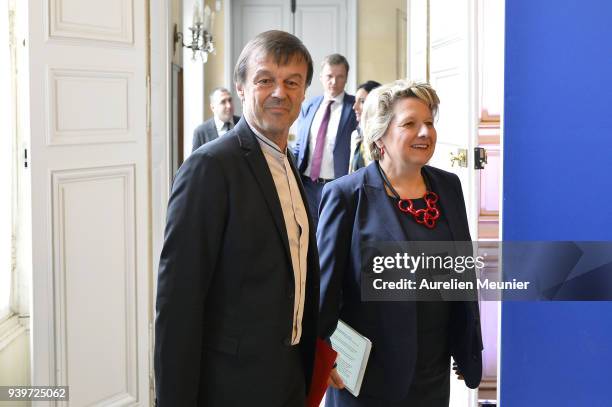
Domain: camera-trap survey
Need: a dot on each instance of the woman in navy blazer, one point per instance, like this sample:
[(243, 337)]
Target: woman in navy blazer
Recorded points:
[(412, 342)]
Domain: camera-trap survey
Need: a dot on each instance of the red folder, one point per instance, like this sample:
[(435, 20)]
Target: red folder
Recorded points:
[(325, 357)]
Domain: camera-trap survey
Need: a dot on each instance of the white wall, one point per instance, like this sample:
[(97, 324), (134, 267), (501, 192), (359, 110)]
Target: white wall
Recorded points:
[(14, 355), (193, 84)]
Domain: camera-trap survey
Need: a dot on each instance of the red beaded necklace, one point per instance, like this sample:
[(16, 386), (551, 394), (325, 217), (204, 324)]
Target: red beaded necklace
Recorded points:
[(427, 217)]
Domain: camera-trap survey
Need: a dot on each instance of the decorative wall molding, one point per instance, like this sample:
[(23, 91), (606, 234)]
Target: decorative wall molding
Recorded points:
[(445, 41), (10, 329), (94, 257), (307, 14), (74, 100), (109, 20)]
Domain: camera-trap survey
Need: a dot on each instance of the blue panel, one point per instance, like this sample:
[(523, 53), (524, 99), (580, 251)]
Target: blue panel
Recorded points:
[(557, 186)]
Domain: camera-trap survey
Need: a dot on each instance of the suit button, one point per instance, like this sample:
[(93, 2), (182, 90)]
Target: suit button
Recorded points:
[(287, 341)]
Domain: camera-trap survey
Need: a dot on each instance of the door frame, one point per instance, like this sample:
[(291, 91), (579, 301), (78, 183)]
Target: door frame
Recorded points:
[(160, 135)]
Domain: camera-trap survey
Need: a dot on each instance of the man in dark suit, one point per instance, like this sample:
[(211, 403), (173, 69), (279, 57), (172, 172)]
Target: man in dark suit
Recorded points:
[(238, 287), (223, 119), (324, 131)]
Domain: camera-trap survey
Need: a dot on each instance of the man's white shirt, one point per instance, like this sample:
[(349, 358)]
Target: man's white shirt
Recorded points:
[(296, 223), (327, 163), (221, 130)]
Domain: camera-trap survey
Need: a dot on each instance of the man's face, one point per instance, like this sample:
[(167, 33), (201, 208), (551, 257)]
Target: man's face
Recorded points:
[(222, 106), (272, 95), (333, 79)]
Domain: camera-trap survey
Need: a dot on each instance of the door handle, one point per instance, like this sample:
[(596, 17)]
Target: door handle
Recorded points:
[(460, 158), (480, 158)]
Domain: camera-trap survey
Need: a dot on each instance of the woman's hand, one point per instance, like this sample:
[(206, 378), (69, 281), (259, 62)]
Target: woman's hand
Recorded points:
[(335, 380)]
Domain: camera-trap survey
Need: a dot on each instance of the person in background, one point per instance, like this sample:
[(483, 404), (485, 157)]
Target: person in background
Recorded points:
[(358, 158), (396, 198), (324, 131), (223, 119)]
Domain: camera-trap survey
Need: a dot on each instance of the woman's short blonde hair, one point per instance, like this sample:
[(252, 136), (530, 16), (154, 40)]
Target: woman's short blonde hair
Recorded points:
[(378, 109)]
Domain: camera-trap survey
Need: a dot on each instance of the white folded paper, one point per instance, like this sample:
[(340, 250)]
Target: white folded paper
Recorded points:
[(353, 353)]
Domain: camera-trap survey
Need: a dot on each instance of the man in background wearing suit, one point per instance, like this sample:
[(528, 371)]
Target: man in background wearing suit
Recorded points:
[(223, 119), (238, 285), (324, 131)]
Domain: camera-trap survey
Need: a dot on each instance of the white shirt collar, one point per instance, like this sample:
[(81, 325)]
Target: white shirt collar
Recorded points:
[(266, 143), (337, 99), (219, 124)]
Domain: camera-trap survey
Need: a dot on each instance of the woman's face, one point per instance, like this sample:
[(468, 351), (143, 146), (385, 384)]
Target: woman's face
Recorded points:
[(411, 136), (360, 97)]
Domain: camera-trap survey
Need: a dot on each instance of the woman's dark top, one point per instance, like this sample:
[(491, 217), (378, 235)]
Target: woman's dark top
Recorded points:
[(430, 386)]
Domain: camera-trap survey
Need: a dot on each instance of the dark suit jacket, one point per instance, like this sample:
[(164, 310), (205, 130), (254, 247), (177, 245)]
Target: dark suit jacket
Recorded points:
[(225, 291), (355, 209), (206, 132), (342, 148)]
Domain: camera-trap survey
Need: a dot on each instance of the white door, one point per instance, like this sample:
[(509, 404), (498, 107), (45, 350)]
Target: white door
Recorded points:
[(90, 199), (324, 27), (442, 50), (447, 59), (327, 28)]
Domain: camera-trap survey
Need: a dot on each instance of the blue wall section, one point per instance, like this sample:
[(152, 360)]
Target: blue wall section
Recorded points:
[(557, 186)]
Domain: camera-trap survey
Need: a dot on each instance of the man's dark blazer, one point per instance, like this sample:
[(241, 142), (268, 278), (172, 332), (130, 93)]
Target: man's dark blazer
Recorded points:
[(355, 209), (342, 148), (206, 132), (225, 293)]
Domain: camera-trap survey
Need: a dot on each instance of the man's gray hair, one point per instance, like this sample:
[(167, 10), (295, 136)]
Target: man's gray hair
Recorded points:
[(211, 95), (378, 109), (280, 45)]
